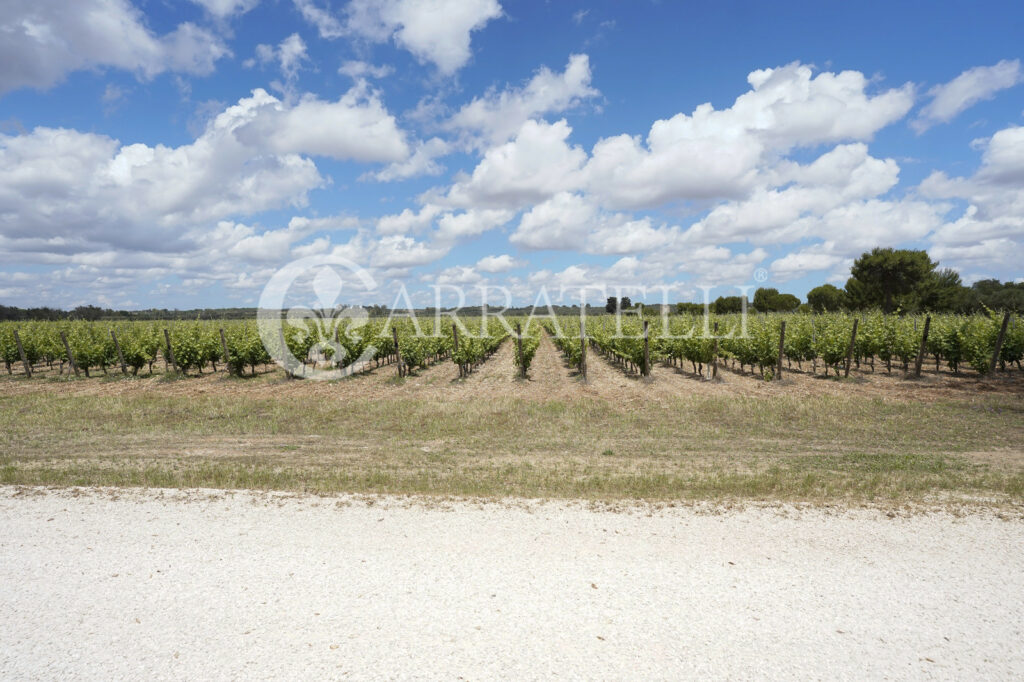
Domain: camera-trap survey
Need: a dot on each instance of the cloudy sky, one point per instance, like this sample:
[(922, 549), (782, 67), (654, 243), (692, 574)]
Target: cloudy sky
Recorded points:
[(173, 153)]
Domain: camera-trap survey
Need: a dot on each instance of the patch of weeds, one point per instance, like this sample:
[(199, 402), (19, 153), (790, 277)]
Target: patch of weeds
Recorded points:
[(63, 378), (884, 462), (114, 377), (172, 376)]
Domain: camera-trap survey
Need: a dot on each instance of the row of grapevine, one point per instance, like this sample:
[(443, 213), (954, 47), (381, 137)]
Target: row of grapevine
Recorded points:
[(754, 342), (686, 341), (477, 341), (622, 341), (196, 346), (91, 345), (527, 343), (95, 345), (887, 339)]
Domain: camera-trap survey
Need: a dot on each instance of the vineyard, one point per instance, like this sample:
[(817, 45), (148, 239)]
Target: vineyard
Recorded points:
[(764, 345), (804, 406)]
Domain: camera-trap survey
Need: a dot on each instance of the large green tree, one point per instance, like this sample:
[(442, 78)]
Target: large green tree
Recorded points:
[(615, 304), (941, 290), (724, 305), (785, 303), (882, 275), (769, 300), (763, 299), (990, 293), (826, 298)]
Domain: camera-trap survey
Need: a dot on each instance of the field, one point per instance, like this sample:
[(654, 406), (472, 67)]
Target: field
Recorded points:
[(474, 426)]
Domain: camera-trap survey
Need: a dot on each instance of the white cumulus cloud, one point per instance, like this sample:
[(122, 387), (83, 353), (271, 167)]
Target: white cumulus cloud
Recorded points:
[(535, 165), (990, 231), (325, 22), (568, 221), (226, 8), (422, 161), (495, 264), (86, 190), (358, 69), (711, 153), (434, 31), (452, 227), (356, 127), (289, 55), (497, 116), (970, 87), (44, 40), (408, 221)]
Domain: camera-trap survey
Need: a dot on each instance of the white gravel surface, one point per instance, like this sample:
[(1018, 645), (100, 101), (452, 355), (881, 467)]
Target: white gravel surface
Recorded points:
[(161, 584)]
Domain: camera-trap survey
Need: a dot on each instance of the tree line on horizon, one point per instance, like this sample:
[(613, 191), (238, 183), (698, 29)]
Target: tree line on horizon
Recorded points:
[(893, 280)]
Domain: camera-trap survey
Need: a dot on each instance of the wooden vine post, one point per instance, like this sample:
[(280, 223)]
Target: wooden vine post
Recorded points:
[(67, 349), (999, 343), (647, 351), (814, 345), (21, 352), (714, 355), (224, 347), (120, 355), (921, 348), (782, 345), (519, 350), (583, 350), (455, 347), (170, 351), (849, 351), (398, 352)]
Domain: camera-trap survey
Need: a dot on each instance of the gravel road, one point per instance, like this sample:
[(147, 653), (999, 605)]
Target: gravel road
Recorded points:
[(203, 585)]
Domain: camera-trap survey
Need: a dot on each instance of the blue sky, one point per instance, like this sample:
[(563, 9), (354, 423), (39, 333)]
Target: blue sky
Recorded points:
[(177, 154)]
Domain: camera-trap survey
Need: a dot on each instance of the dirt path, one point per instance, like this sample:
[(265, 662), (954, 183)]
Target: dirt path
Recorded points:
[(547, 378), (205, 585)]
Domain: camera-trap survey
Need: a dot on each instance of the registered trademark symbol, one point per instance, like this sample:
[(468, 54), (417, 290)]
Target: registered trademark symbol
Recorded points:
[(760, 275)]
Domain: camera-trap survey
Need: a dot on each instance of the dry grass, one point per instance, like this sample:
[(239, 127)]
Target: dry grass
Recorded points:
[(614, 437)]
